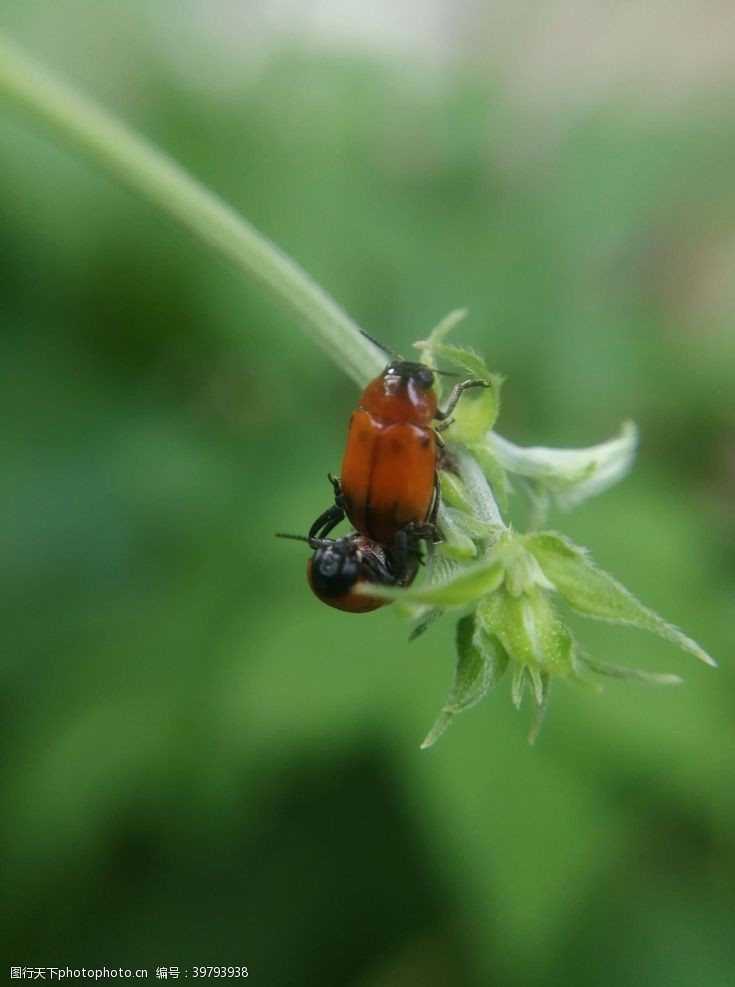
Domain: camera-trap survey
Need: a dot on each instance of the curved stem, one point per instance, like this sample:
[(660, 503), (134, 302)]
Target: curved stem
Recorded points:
[(152, 174), (162, 181)]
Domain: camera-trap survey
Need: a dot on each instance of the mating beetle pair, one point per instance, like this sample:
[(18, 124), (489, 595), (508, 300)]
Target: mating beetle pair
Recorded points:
[(388, 489)]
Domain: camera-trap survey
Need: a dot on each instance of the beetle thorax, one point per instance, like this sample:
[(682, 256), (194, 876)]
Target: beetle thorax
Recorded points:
[(402, 393)]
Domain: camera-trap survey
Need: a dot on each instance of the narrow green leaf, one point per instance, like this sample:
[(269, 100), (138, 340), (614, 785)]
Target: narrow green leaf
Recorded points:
[(519, 681), (627, 674), (471, 673), (480, 663), (493, 652), (443, 328), (537, 687), (442, 722), (471, 583), (541, 703), (424, 622), (595, 593)]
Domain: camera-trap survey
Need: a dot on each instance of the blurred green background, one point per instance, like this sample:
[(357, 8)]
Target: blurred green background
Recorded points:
[(201, 763)]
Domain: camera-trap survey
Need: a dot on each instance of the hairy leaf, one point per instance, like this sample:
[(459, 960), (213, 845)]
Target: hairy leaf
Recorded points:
[(595, 593), (480, 662)]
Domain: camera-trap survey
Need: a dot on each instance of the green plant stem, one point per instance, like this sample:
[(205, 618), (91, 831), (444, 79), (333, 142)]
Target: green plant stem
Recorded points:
[(479, 491), (151, 173)]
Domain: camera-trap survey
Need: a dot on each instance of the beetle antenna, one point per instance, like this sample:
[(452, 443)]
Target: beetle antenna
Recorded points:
[(444, 373), (311, 542), (381, 346)]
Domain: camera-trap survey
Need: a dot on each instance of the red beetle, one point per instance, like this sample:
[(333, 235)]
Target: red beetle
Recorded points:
[(388, 488), (389, 476)]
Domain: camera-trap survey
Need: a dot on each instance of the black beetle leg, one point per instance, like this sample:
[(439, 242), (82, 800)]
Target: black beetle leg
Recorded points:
[(406, 551), (326, 521), (433, 514), (339, 497), (457, 392)]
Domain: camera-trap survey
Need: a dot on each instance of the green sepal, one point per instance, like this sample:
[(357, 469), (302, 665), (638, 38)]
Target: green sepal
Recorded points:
[(588, 663), (538, 683), (473, 417), (440, 725), (466, 359), (522, 570), (456, 542), (518, 685), (529, 629), (469, 525), (424, 621), (595, 593), (541, 690), (438, 334), (453, 492), (481, 662)]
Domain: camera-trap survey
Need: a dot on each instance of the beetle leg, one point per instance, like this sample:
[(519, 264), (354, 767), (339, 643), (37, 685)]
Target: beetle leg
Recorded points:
[(406, 551), (435, 505), (401, 550), (339, 497), (405, 547), (408, 538), (326, 521), (457, 392)]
